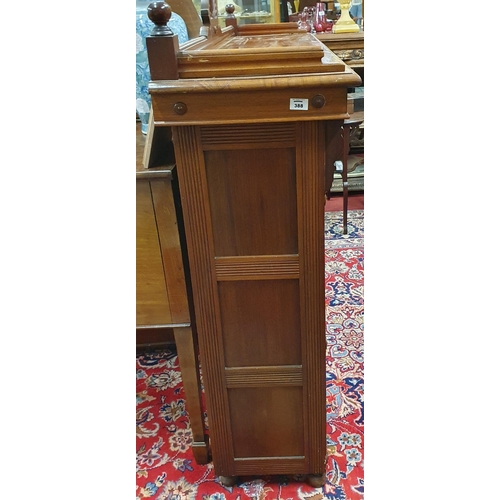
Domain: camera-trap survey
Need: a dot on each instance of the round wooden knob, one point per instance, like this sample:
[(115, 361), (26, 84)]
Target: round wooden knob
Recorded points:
[(160, 13), (180, 108), (229, 8), (318, 101)]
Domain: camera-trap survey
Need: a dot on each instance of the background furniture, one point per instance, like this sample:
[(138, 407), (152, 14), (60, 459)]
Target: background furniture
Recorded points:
[(162, 306), (350, 48), (190, 13), (251, 11), (340, 167), (251, 177)]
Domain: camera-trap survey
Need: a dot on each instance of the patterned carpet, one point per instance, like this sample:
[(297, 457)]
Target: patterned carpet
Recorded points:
[(166, 469)]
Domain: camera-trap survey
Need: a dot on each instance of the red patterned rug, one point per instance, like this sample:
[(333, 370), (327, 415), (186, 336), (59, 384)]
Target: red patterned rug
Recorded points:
[(166, 469)]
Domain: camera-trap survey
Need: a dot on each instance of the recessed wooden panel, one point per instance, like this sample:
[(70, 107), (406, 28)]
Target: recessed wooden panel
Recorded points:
[(265, 421), (252, 197), (260, 322)]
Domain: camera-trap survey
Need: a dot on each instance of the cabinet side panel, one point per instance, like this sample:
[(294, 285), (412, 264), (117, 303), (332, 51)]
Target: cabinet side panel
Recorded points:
[(254, 228)]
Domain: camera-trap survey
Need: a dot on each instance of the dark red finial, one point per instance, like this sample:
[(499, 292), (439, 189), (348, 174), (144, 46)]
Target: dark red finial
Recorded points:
[(160, 13), (229, 9)]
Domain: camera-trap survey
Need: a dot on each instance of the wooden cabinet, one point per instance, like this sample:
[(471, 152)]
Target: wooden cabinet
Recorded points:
[(251, 118), (350, 47)]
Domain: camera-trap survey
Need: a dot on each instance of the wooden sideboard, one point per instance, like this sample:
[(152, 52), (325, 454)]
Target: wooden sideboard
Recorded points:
[(350, 47), (163, 310), (252, 110)]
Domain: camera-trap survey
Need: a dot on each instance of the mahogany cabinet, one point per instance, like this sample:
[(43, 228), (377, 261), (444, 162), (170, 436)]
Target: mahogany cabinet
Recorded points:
[(252, 115)]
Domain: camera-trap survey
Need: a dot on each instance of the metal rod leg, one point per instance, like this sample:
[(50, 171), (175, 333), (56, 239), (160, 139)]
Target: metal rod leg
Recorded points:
[(345, 185)]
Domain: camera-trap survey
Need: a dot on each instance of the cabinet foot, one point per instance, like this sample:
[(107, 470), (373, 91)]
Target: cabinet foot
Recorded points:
[(228, 480), (316, 480)]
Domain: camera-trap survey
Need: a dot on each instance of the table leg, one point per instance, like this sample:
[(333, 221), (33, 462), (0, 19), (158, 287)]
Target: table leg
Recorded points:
[(184, 343), (345, 186)]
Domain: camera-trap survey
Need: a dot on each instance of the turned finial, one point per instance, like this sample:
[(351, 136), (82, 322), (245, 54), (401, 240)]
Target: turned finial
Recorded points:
[(162, 44), (160, 13), (230, 17)]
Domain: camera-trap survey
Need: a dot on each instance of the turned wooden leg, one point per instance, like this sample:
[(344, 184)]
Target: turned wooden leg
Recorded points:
[(316, 480), (191, 381), (228, 480)]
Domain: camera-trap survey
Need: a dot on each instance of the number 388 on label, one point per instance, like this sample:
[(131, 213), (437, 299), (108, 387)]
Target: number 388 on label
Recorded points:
[(299, 104)]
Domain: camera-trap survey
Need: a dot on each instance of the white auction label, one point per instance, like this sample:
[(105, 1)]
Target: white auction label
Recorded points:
[(299, 104)]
